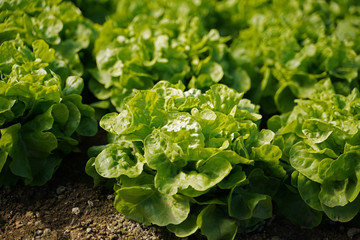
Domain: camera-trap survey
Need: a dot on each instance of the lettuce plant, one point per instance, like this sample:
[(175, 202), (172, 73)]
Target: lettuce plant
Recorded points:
[(41, 114), (59, 23), (320, 143), (150, 42), (288, 46), (190, 160), (41, 110)]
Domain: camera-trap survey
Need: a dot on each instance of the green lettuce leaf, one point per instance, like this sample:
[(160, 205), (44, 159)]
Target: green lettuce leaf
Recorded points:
[(144, 204)]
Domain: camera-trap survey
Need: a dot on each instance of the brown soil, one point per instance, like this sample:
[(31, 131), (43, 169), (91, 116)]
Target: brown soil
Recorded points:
[(68, 207)]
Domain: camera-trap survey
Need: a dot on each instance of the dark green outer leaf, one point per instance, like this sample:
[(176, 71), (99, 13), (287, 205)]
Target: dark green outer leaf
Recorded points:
[(295, 209), (186, 228), (215, 223), (146, 205), (343, 213)]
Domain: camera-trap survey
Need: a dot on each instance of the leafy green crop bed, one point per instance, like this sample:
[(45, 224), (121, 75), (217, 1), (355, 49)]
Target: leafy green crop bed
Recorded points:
[(216, 111)]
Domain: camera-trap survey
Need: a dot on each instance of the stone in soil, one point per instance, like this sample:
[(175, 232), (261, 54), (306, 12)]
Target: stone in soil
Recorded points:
[(75, 211)]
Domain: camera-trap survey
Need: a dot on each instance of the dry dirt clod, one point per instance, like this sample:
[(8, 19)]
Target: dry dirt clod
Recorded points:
[(29, 214), (73, 235), (47, 231), (137, 229), (18, 224)]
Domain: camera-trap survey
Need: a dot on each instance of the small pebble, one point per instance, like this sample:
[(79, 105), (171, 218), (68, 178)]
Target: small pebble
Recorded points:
[(110, 196), (88, 230), (76, 210), (39, 232), (60, 190), (90, 203), (37, 214), (37, 223)]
